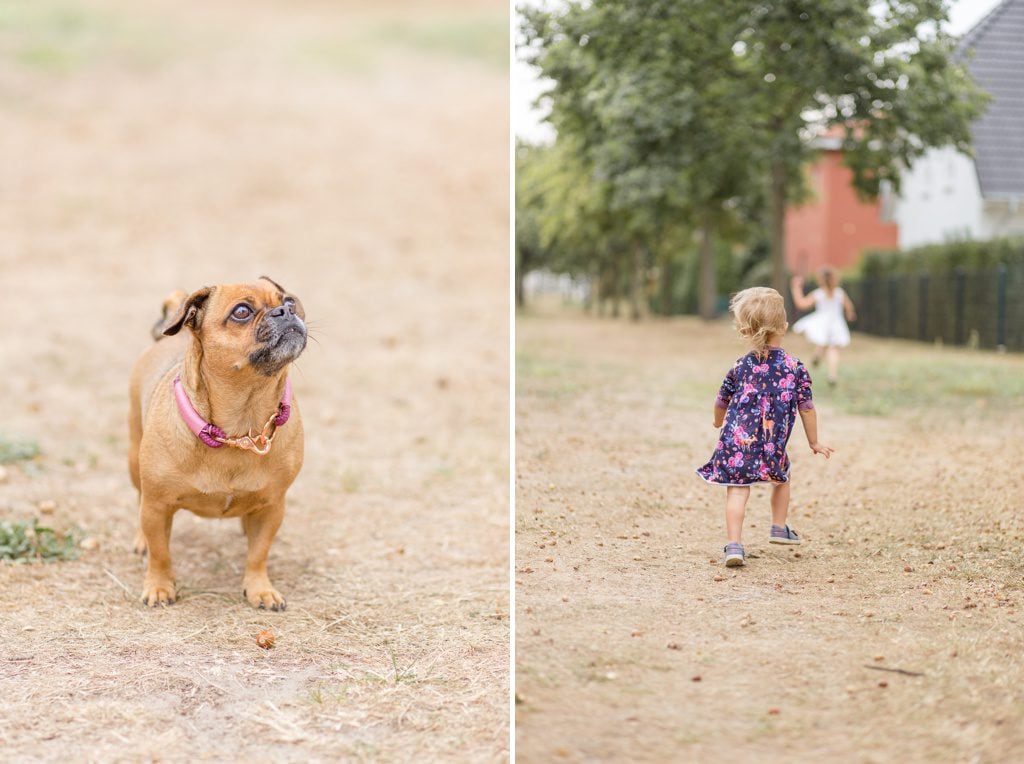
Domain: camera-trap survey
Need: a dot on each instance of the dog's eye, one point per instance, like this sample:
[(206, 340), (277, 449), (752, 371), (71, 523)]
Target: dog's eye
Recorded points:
[(241, 313)]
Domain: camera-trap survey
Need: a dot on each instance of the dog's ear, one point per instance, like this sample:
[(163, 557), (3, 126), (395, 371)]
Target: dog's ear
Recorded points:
[(169, 307), (279, 287), (190, 313)]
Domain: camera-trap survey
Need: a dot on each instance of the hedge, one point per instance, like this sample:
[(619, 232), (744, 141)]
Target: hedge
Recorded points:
[(942, 258)]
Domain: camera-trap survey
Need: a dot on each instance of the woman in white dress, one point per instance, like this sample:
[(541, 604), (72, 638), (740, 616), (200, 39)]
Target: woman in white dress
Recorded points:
[(826, 326)]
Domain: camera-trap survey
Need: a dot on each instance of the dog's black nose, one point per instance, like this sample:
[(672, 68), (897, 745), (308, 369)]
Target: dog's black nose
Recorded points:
[(282, 310)]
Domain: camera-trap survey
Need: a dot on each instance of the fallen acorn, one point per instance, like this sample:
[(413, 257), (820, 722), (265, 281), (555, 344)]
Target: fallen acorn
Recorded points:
[(265, 639)]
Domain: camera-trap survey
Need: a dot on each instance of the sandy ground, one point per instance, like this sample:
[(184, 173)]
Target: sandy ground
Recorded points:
[(634, 643), (356, 153)]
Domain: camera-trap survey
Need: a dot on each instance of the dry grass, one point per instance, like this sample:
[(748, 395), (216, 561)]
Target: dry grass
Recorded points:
[(154, 146), (634, 643)]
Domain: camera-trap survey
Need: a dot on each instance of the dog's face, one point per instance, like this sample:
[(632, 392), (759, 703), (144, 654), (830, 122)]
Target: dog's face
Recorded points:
[(257, 326)]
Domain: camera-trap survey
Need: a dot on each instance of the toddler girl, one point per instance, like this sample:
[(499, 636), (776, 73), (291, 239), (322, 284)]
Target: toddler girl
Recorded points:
[(758, 402)]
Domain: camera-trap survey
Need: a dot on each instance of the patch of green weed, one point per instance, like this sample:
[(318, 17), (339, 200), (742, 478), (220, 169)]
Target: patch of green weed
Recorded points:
[(484, 38), (58, 36), (350, 481), (943, 381), (17, 450), (546, 377), (480, 38), (27, 542)]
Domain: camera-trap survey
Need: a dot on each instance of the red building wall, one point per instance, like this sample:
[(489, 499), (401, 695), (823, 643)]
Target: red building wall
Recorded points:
[(834, 227)]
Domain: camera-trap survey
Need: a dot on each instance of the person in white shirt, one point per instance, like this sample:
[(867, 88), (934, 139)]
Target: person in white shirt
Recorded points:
[(826, 326)]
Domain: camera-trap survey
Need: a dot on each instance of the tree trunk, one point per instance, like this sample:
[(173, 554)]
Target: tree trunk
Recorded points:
[(520, 275), (708, 293), (614, 291), (638, 283), (590, 298), (665, 284), (777, 202)]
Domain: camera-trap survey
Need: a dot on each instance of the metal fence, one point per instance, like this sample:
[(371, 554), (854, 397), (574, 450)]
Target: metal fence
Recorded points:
[(983, 308)]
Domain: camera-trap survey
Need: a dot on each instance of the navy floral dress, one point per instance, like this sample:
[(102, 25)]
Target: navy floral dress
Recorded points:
[(761, 395)]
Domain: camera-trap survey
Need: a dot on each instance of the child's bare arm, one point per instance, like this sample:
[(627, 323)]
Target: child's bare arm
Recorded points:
[(725, 393), (809, 417), (796, 289)]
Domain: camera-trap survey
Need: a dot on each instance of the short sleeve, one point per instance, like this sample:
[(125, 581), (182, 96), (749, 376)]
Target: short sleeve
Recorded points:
[(804, 399), (727, 390)]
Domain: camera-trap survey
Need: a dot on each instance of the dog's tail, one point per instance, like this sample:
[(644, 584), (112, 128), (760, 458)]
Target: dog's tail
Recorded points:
[(168, 310)]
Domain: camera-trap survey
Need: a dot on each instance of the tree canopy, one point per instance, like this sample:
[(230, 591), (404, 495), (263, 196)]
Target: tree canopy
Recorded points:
[(699, 115)]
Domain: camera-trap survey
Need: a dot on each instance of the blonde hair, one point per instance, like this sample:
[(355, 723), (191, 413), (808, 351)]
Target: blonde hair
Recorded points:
[(760, 312)]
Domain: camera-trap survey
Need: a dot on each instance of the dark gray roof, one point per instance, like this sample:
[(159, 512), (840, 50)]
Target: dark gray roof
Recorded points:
[(998, 67)]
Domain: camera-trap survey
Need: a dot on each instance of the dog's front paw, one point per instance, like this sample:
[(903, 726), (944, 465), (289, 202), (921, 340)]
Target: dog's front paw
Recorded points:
[(158, 592), (264, 596)]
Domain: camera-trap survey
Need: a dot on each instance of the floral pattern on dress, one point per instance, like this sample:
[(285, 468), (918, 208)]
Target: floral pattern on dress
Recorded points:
[(761, 395)]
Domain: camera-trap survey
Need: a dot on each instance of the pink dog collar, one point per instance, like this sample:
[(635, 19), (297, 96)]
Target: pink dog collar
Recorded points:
[(215, 437)]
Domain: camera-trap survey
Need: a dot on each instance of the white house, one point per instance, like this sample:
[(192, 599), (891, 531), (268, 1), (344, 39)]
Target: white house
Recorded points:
[(947, 195)]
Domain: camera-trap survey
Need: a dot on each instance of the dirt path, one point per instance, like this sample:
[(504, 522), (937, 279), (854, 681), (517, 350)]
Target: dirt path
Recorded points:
[(635, 644), (359, 157)]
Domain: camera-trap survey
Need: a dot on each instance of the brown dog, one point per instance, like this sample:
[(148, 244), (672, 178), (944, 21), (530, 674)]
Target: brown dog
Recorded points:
[(213, 428)]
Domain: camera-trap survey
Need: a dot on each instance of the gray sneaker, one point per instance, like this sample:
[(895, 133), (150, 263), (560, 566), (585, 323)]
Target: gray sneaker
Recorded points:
[(734, 556), (784, 535)]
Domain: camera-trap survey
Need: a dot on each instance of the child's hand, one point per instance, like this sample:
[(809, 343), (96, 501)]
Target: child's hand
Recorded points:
[(822, 449)]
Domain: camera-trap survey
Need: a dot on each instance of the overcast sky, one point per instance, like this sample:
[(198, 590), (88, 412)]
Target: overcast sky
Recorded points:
[(526, 123)]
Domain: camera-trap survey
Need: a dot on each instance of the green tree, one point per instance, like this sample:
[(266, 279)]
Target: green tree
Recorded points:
[(530, 208), (883, 72), (647, 90), (701, 114), (562, 220)]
